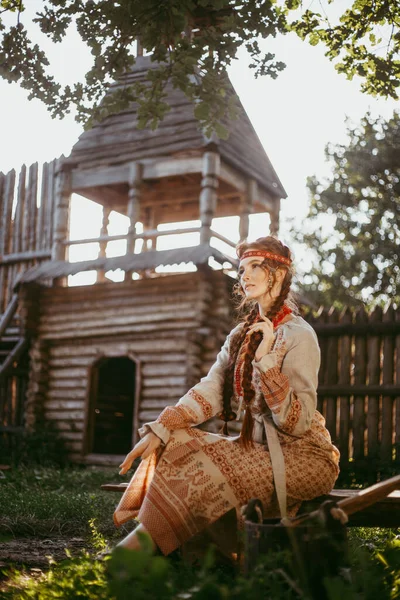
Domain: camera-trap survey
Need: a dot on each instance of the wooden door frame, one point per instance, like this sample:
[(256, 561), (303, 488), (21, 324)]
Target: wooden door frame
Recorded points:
[(92, 389)]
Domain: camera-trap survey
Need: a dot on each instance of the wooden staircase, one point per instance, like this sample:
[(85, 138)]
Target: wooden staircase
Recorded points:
[(13, 369)]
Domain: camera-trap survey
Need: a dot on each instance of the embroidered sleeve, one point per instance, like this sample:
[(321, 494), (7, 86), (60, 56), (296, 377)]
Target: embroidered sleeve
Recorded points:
[(202, 401), (289, 382)]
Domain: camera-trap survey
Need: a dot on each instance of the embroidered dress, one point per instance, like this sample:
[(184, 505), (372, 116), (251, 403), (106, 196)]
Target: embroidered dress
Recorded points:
[(197, 477)]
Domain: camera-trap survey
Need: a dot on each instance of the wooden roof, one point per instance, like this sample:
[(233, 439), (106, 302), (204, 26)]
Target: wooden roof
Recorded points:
[(117, 140), (151, 259)]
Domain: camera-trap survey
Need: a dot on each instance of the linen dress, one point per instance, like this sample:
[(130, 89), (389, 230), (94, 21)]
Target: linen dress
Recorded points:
[(196, 477)]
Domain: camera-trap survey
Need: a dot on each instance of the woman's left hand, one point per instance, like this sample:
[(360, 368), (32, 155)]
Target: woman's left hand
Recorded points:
[(267, 329)]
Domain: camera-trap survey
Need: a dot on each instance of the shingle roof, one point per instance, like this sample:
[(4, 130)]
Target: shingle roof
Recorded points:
[(117, 139)]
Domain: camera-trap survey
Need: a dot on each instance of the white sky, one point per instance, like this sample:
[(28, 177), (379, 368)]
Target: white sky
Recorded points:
[(295, 116)]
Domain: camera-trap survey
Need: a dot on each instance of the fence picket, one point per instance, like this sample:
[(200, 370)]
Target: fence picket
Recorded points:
[(397, 399), (360, 376), (387, 401), (344, 378), (373, 373), (331, 377)]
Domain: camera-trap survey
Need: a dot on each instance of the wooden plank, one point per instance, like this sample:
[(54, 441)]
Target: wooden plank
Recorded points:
[(387, 378), (75, 415), (373, 328), (5, 236), (322, 315), (397, 399), (66, 394), (63, 404), (344, 379), (367, 389), (31, 201), (332, 378), (49, 204), (163, 358), (108, 313), (373, 374), (23, 257), (360, 375), (137, 304), (164, 381), (68, 425), (166, 320), (61, 214), (42, 210)]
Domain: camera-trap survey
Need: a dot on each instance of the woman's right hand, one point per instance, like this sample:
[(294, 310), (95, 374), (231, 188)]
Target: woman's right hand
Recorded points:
[(147, 445)]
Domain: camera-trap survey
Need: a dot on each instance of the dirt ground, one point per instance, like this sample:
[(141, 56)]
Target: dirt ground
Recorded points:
[(31, 552)]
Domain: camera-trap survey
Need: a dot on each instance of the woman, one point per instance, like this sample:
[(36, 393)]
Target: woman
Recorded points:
[(268, 368)]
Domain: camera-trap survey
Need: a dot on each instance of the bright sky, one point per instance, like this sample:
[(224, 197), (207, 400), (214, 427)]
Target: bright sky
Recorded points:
[(295, 116)]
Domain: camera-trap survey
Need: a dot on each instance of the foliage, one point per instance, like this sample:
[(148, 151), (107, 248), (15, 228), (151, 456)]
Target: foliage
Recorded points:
[(194, 41), (375, 572), (358, 252)]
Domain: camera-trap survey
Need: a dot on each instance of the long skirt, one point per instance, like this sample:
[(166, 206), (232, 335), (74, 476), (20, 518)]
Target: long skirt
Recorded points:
[(198, 477)]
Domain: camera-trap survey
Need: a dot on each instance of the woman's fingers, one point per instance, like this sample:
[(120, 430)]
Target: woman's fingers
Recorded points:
[(143, 448)]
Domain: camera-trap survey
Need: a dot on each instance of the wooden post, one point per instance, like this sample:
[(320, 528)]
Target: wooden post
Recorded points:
[(246, 208), (134, 194), (208, 193), (61, 216), (274, 225), (101, 275)]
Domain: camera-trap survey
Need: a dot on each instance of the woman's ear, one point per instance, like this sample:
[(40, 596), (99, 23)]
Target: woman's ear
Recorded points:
[(280, 275)]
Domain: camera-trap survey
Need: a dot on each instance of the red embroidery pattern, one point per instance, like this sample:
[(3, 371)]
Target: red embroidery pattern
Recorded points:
[(196, 481), (177, 417), (275, 388), (206, 406), (293, 415), (266, 254)]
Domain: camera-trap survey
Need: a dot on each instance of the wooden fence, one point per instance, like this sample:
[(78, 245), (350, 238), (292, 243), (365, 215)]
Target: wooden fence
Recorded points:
[(359, 384), (26, 223)]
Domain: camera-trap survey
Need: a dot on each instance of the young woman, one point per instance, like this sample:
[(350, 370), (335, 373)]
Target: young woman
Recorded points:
[(268, 369)]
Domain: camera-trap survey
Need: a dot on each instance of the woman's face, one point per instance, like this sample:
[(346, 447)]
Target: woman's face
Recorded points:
[(254, 279)]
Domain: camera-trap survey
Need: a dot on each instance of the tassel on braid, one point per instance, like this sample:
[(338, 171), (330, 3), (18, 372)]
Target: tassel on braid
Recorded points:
[(247, 346)]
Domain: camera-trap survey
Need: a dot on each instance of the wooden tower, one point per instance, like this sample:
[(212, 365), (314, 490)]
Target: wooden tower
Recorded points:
[(105, 358)]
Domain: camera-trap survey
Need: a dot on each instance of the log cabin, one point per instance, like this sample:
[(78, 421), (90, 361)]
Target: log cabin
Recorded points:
[(99, 360)]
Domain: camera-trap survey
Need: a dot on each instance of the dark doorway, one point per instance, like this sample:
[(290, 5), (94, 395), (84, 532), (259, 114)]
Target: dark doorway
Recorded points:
[(112, 406)]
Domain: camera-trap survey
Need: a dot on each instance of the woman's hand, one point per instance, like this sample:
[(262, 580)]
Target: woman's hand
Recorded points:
[(267, 329), (148, 444)]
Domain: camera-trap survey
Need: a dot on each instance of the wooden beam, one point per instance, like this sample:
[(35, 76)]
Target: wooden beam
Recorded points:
[(274, 213), (152, 169), (208, 193), (9, 313), (17, 257), (61, 215), (101, 276), (248, 202)]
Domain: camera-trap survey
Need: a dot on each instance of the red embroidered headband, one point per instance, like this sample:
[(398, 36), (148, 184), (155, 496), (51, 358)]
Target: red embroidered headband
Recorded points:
[(266, 254)]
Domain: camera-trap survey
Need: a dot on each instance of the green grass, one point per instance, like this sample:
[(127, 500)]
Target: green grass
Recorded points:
[(41, 502), (45, 502)]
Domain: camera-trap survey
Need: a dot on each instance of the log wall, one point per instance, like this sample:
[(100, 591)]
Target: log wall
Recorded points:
[(173, 325)]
